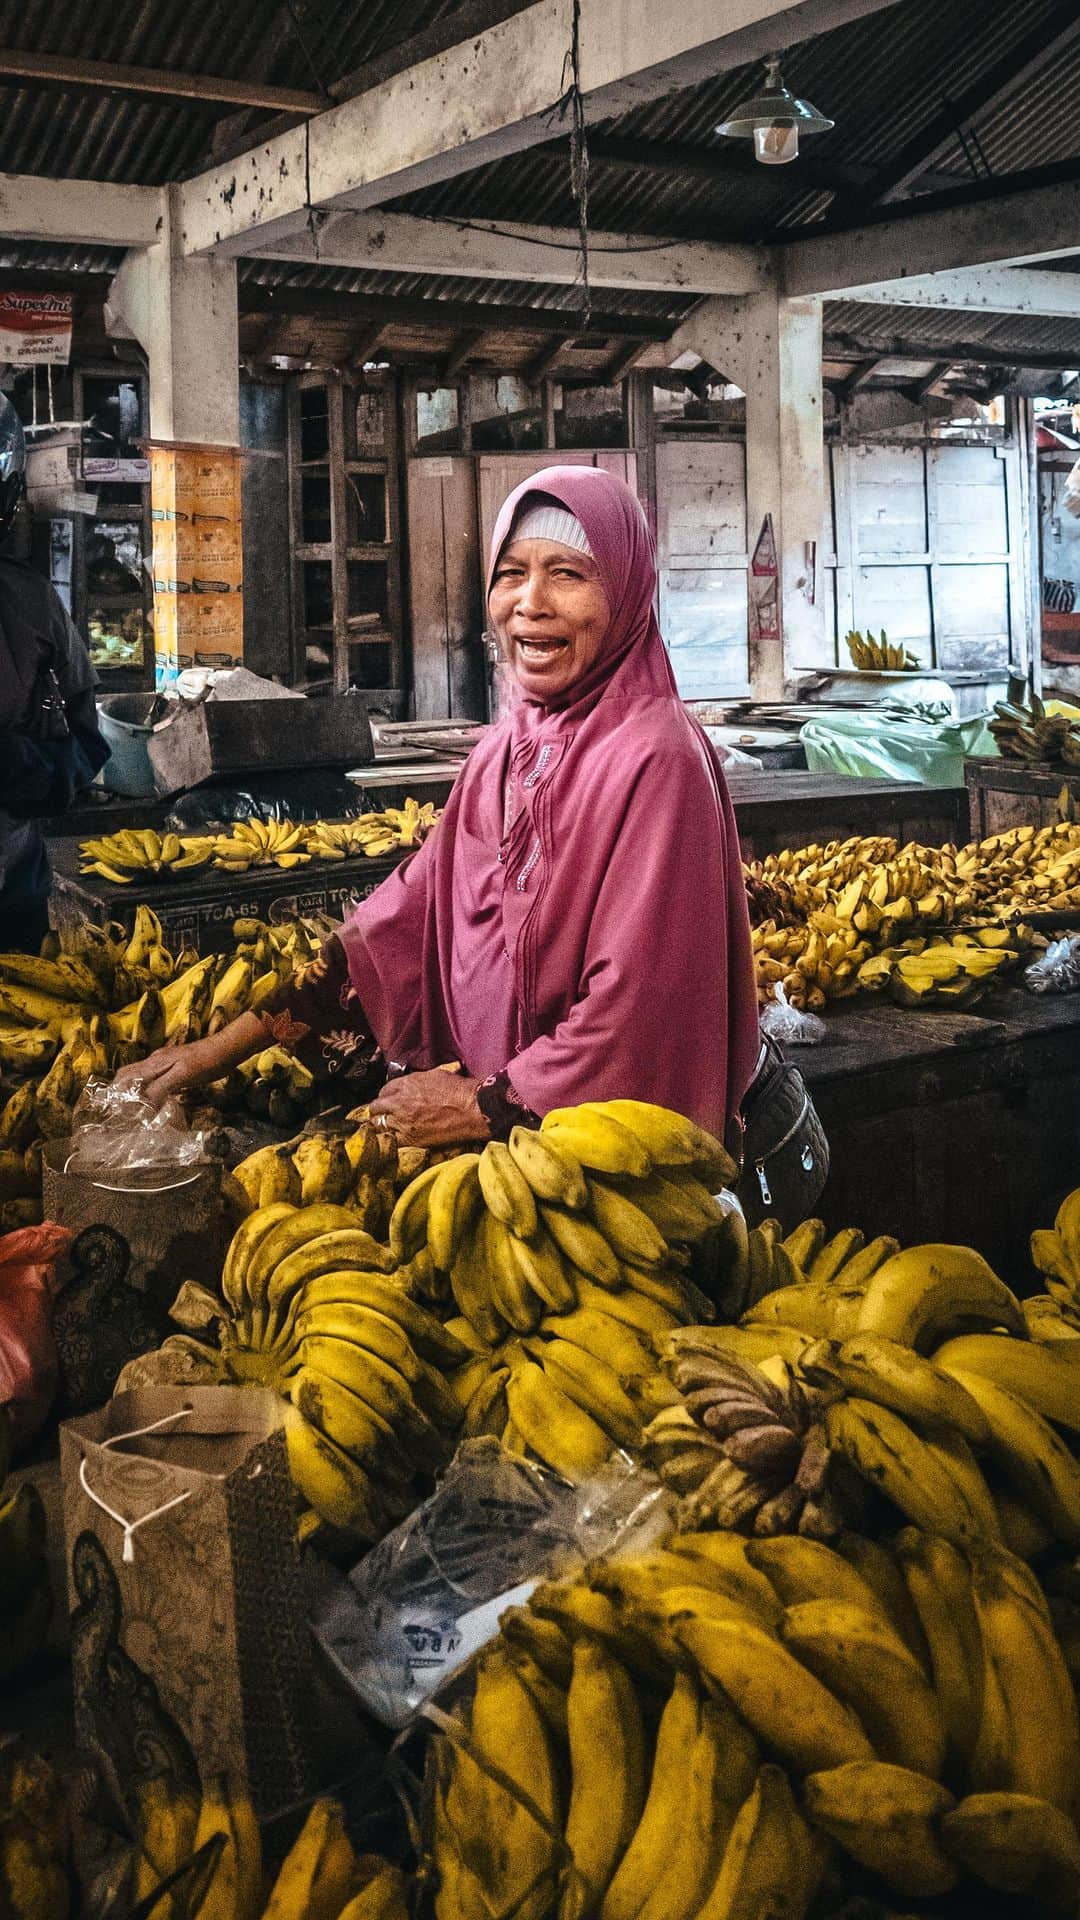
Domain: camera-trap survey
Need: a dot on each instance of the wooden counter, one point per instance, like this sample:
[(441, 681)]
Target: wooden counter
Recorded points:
[(793, 809), (952, 1126)]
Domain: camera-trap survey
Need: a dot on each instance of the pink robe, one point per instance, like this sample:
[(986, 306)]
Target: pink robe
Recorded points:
[(578, 918)]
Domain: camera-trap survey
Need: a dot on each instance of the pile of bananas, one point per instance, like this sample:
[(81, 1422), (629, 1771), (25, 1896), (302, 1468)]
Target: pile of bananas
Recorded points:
[(273, 1084), (26, 1599), (1024, 730), (907, 1707), (314, 1308), (859, 916), (372, 834), (565, 1253), (113, 998), (208, 1847), (146, 855), (1055, 1251), (361, 1171), (881, 655), (143, 854)]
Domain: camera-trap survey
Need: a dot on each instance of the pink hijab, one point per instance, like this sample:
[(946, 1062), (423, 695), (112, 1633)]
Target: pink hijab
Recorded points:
[(578, 918)]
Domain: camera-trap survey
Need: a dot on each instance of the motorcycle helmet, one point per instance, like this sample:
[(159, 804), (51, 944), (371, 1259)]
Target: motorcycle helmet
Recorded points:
[(12, 462)]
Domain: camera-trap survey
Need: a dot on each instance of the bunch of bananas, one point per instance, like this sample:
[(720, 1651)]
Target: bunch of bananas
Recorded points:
[(1023, 730), (26, 1599), (372, 834), (273, 1083), (35, 1840), (260, 843), (313, 1308), (204, 1851), (1055, 1251), (881, 655), (357, 1170), (143, 854), (937, 973), (812, 1700)]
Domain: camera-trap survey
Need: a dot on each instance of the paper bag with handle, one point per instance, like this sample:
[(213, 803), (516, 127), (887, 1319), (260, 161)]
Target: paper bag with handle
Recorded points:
[(189, 1642)]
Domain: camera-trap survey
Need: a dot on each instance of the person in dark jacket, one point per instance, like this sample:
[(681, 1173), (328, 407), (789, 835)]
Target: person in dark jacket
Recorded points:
[(50, 745)]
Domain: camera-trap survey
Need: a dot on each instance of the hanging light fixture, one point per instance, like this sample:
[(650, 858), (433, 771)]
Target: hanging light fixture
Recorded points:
[(773, 119)]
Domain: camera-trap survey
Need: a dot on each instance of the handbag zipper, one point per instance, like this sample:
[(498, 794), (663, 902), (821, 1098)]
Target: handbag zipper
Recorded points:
[(759, 1165)]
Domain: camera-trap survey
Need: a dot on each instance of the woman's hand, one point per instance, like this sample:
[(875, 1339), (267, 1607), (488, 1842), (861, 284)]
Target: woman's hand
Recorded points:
[(174, 1070), (437, 1109)]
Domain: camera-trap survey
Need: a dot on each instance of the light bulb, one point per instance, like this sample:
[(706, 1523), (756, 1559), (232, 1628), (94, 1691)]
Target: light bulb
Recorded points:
[(775, 145)]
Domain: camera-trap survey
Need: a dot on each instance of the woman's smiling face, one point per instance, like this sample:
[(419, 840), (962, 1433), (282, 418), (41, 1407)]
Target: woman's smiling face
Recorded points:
[(551, 614)]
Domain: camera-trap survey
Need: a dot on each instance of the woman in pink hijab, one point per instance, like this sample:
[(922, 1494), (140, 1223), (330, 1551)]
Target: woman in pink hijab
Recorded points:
[(576, 926)]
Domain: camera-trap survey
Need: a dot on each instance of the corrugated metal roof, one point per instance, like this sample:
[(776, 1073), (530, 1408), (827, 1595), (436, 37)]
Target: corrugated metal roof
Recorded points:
[(1005, 337)]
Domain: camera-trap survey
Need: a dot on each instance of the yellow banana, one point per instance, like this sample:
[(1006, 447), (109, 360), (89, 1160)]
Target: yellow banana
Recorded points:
[(544, 1271), (801, 1569), (828, 1262), (925, 1293), (408, 1222), (325, 1170), (507, 1193), (629, 1232), (670, 1140), (609, 1339), (318, 1873), (1047, 1377), (245, 1240), (583, 1245), (556, 1430), (235, 1892), (898, 1462), (858, 1656), (680, 1208), (593, 1386), (894, 1376), (649, 1852), (454, 1198), (784, 1704), (607, 1775), (335, 1486), (1029, 1733), (167, 1815), (299, 1226), (880, 1571), (716, 1774), (646, 1317), (1030, 1455), (520, 1800), (886, 1817), (511, 1296), (1017, 1844), (804, 1243), (938, 1578), (772, 1863), (384, 1897), (598, 1141), (552, 1173)]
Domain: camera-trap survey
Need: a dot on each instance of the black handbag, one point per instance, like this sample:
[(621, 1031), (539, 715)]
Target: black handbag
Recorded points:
[(785, 1154)]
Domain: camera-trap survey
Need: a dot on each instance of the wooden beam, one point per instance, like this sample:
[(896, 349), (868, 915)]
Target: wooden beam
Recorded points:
[(620, 364), (1033, 52), (860, 377), (484, 98), (166, 83), (845, 346), (924, 388), (508, 250), (980, 290), (79, 212), (453, 315), (1015, 221), (362, 348), (462, 349), (539, 368)]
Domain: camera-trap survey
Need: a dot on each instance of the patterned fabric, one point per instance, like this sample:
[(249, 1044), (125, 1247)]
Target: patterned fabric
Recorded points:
[(502, 1107), (318, 1016)]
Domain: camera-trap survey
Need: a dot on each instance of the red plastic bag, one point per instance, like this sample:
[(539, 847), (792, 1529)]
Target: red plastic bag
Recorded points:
[(28, 1359)]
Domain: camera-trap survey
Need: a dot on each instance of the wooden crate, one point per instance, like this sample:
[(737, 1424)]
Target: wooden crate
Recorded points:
[(1015, 793), (797, 809), (199, 911)]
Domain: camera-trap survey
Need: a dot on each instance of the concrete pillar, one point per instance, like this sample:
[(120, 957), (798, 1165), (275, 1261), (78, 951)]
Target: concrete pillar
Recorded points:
[(182, 310), (770, 346)]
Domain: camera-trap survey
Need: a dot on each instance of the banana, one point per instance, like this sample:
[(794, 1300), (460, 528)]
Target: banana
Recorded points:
[(518, 1802), (582, 1244), (166, 1817), (434, 1343), (453, 1202), (924, 1294), (951, 1451), (825, 1310), (549, 1699), (894, 1376), (557, 1431), (898, 1462), (598, 1141), (17, 1118), (592, 1385), (340, 1493), (721, 1560), (408, 1222), (235, 1892), (507, 1193), (649, 1851), (1017, 1844), (803, 1245), (487, 1411), (349, 1259), (542, 1639), (647, 1317), (373, 1380), (1047, 1377), (857, 1655), (938, 1578), (511, 1296), (471, 1287), (607, 1775), (713, 1777), (825, 1268), (681, 1209), (350, 1423), (385, 1897), (545, 1273), (552, 1173), (318, 1873), (1029, 1732), (887, 1818), (600, 1334), (248, 1236), (801, 1569), (325, 1170), (772, 1863), (754, 1342), (1022, 1531), (670, 1140), (299, 1226), (1030, 1455), (629, 1232), (784, 1704), (880, 1571)]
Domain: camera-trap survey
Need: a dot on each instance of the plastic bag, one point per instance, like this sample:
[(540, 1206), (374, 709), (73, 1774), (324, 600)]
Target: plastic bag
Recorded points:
[(790, 1026), (319, 794), (114, 1130), (1058, 969), (422, 1602), (894, 746), (29, 1368)]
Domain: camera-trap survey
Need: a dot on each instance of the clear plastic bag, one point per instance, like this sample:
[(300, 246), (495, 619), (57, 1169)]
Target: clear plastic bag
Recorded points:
[(1058, 969), (422, 1602), (789, 1026), (114, 1130)]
